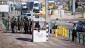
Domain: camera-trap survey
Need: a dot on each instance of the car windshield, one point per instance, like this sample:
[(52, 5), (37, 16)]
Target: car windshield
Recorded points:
[(28, 14), (81, 22), (36, 4), (23, 14)]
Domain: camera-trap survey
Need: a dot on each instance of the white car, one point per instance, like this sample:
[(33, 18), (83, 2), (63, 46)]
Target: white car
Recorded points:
[(28, 15)]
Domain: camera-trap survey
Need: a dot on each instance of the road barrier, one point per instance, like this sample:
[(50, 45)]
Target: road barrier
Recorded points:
[(5, 23), (80, 37), (60, 31), (83, 14), (56, 32)]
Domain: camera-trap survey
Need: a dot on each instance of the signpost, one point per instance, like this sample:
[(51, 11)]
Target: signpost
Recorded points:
[(39, 34)]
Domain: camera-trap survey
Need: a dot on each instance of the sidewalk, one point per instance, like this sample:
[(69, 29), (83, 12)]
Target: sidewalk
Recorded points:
[(67, 15)]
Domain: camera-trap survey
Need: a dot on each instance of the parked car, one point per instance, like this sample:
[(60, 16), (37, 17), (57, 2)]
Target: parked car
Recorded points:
[(79, 26)]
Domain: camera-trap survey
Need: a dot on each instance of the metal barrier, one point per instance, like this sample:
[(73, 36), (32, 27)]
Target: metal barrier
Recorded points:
[(60, 31), (80, 36), (5, 23)]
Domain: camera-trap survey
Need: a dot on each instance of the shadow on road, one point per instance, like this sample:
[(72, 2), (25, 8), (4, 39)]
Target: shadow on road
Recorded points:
[(17, 32), (14, 32), (24, 39)]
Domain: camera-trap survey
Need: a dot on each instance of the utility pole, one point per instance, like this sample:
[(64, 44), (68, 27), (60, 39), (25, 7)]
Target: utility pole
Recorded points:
[(46, 9), (46, 13)]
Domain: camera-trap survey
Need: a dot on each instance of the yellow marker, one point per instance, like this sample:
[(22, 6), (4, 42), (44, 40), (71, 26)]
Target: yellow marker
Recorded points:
[(61, 31), (58, 30), (55, 33), (83, 14), (65, 33)]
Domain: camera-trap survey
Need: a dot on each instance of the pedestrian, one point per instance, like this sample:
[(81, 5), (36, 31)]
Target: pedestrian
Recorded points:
[(37, 25), (8, 19), (21, 25), (56, 23), (30, 26), (19, 22), (15, 25), (12, 24), (74, 34), (26, 25)]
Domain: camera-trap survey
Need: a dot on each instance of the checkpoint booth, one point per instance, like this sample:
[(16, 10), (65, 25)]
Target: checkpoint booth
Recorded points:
[(39, 30)]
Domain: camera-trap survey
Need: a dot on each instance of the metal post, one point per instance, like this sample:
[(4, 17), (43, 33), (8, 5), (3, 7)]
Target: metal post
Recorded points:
[(73, 7), (46, 10), (48, 26), (79, 38), (61, 18), (69, 33), (83, 39), (46, 13)]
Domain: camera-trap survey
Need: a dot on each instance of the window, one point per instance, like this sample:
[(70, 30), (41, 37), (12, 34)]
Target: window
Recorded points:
[(36, 10), (36, 5)]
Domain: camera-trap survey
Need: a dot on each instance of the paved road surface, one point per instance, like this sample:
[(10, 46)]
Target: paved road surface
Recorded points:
[(19, 40)]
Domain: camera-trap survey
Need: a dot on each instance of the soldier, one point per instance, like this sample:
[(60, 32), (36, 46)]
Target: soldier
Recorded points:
[(74, 33), (37, 25), (21, 25), (12, 24), (30, 26), (26, 24), (18, 22)]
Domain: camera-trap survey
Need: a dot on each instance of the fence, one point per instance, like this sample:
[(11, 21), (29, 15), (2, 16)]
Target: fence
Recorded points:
[(63, 32), (80, 36)]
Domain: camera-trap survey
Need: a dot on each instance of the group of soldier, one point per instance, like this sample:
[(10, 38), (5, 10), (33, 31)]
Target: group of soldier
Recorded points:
[(20, 24)]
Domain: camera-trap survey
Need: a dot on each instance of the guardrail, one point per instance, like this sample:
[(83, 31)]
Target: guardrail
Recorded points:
[(80, 36)]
